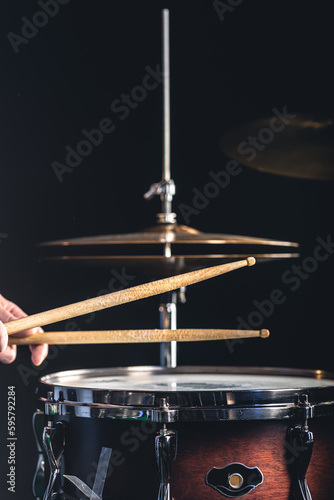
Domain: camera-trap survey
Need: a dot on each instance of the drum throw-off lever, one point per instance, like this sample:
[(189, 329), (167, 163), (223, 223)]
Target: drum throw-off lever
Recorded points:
[(300, 446)]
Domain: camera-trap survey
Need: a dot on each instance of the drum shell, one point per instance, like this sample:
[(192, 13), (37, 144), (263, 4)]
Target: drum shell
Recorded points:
[(133, 471), (261, 444), (221, 415)]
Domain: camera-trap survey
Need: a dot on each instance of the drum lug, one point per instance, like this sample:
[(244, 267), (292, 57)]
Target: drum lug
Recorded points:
[(165, 452), (52, 406), (300, 441), (164, 414), (54, 446), (304, 410)]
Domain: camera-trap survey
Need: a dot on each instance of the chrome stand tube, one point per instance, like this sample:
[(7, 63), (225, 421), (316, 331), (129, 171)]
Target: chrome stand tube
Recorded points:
[(168, 350)]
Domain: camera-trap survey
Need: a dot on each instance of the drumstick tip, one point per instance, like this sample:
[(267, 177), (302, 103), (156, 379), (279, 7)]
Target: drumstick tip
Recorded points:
[(264, 334), (251, 261)]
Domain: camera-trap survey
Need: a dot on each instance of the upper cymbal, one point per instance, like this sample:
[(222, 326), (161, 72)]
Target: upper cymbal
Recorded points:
[(300, 147), (167, 233)]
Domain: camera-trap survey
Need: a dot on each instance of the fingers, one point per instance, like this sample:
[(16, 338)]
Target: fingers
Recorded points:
[(9, 312), (3, 337), (38, 353), (14, 310), (8, 355)]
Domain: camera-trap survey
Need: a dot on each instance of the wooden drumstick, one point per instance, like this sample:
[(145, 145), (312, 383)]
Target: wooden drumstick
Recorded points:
[(135, 336), (122, 296)]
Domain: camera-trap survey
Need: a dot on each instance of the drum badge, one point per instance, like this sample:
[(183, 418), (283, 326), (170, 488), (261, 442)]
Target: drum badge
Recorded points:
[(234, 480)]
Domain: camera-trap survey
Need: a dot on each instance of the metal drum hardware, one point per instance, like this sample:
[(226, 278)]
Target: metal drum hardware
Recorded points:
[(234, 480)]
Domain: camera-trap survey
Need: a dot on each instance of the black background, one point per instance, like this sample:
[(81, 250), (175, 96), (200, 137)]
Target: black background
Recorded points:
[(223, 73)]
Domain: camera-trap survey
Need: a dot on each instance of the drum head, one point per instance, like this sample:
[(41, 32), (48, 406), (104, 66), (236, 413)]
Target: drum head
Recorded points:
[(192, 392)]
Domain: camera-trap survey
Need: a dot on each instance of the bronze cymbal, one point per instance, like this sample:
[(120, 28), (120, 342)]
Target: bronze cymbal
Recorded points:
[(141, 250), (300, 147), (149, 259), (167, 233)]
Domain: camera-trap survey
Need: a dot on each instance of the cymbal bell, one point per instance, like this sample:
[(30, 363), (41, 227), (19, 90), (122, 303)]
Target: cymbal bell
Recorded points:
[(303, 147)]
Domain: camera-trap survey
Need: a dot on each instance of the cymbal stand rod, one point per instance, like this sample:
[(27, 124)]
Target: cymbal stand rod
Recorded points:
[(166, 95), (168, 350), (166, 187), (168, 190)]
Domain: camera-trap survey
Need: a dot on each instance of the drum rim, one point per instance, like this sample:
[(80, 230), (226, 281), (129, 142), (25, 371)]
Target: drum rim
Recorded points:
[(241, 370), (191, 405)]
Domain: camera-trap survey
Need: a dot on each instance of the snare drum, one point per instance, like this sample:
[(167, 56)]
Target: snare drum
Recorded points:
[(189, 433)]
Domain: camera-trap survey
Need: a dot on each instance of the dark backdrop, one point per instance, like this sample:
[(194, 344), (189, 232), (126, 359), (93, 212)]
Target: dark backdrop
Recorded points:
[(64, 78)]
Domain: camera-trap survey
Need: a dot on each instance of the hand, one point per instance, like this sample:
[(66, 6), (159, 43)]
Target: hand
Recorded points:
[(8, 312)]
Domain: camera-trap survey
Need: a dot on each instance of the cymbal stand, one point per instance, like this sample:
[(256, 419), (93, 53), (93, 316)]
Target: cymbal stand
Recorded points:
[(167, 314), (166, 190), (166, 187)]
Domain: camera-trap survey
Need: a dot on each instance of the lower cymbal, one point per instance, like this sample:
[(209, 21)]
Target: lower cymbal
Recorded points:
[(296, 146)]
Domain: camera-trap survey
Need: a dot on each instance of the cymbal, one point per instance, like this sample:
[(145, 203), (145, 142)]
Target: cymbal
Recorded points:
[(301, 147), (167, 233), (140, 251)]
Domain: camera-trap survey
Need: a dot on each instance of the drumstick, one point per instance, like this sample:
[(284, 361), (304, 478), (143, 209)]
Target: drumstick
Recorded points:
[(135, 336), (123, 296)]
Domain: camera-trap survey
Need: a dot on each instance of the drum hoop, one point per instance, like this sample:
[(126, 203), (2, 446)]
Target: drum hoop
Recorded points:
[(189, 405)]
